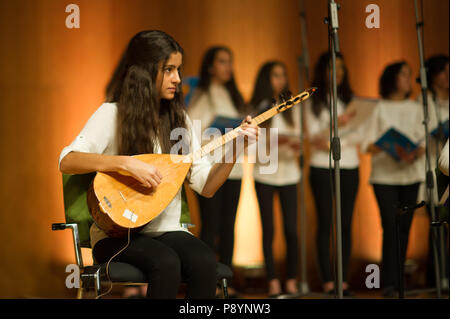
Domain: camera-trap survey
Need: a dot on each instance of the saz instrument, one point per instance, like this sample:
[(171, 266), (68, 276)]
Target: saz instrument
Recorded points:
[(119, 203)]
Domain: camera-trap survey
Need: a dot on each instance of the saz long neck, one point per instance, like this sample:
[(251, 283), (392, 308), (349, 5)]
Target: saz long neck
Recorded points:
[(231, 135)]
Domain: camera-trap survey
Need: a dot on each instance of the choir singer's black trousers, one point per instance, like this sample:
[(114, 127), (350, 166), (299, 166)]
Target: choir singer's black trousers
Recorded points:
[(218, 216), (390, 198), (288, 201), (321, 187)]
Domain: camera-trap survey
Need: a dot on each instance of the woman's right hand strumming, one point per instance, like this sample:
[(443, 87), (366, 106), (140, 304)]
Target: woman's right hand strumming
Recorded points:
[(82, 163), (148, 175)]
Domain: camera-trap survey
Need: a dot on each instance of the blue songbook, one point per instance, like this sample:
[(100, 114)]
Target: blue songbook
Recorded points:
[(393, 138), (435, 132), (190, 83), (223, 122)]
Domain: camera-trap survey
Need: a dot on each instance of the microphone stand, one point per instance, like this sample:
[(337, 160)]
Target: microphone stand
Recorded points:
[(436, 224), (333, 26), (303, 69)]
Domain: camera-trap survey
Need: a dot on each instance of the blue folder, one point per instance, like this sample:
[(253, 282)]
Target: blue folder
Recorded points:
[(391, 139), (435, 132), (190, 83), (223, 122)]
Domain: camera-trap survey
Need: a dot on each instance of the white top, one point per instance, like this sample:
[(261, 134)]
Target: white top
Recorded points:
[(405, 116), (321, 124), (438, 109), (99, 136), (288, 170), (205, 106)]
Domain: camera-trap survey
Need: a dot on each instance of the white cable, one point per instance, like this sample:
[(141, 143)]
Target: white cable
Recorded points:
[(109, 261)]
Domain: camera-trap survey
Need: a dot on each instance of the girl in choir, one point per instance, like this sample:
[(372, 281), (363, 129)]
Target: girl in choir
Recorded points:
[(318, 123), (395, 182), (217, 95), (271, 83)]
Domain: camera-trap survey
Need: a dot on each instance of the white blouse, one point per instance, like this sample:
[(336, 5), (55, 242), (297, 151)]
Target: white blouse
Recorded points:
[(405, 116), (317, 125), (287, 169), (205, 106), (99, 136)]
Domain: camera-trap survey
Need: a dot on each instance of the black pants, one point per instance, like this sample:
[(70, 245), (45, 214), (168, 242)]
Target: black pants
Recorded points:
[(218, 215), (321, 188), (390, 198), (431, 273), (288, 200), (166, 261)]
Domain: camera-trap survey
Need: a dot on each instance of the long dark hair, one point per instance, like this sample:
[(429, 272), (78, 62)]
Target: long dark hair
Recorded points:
[(321, 80), (263, 90), (205, 77), (142, 120), (388, 79), (435, 65)]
